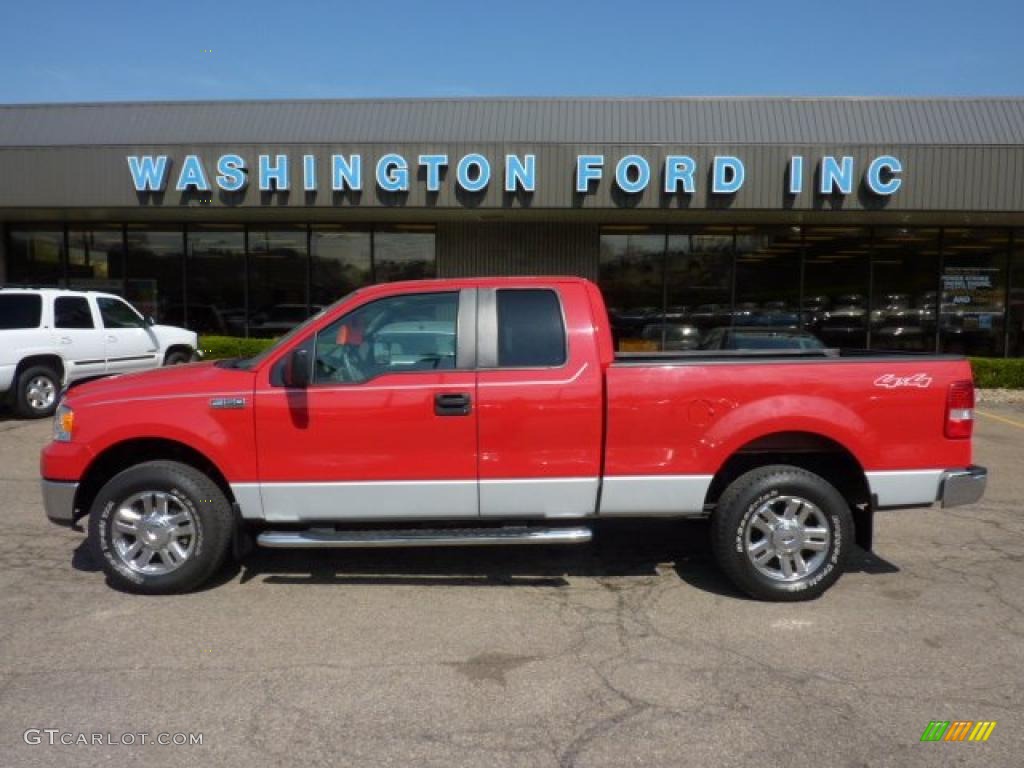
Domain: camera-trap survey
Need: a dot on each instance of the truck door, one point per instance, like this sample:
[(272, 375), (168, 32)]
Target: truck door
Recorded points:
[(130, 345), (540, 401), (387, 427), (78, 337)]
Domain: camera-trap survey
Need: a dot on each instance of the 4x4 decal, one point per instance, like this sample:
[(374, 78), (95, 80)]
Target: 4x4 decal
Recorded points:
[(892, 381)]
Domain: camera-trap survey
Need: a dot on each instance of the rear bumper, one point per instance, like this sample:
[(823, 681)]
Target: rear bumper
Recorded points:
[(59, 501), (963, 486), (901, 489)]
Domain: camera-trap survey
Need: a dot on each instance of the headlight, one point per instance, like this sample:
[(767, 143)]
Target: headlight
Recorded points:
[(63, 424)]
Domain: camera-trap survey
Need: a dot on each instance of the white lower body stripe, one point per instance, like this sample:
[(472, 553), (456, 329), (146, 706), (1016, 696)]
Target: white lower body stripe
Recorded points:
[(905, 487), (640, 495)]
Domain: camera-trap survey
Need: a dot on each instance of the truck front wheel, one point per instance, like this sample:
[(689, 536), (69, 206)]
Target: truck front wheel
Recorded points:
[(160, 527), (782, 533)]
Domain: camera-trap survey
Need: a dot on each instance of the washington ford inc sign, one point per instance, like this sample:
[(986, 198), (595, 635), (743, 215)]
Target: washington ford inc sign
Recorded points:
[(474, 172)]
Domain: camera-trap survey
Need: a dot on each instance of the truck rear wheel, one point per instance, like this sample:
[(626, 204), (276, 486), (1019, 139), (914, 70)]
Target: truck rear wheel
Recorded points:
[(782, 533), (160, 527), (37, 392)]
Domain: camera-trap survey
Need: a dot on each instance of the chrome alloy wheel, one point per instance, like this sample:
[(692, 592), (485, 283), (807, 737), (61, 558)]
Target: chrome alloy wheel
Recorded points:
[(41, 393), (153, 532), (787, 538)]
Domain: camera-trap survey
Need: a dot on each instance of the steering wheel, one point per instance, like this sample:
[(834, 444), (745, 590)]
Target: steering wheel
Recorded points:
[(339, 360), (352, 372)]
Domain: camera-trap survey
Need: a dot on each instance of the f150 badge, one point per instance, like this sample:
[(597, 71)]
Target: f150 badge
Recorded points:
[(227, 402), (892, 381)]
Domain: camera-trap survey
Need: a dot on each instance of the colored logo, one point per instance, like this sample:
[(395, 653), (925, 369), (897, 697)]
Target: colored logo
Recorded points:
[(958, 730)]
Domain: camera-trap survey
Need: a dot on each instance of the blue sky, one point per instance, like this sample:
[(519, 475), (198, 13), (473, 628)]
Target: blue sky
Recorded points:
[(112, 50)]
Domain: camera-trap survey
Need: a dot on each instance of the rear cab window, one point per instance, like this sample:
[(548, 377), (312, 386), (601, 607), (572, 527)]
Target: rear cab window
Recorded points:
[(20, 311), (531, 329)]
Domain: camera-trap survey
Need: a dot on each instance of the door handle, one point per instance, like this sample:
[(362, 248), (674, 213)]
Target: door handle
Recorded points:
[(65, 339), (112, 339), (452, 404)]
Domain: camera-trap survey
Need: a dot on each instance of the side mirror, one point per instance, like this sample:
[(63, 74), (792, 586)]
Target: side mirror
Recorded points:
[(297, 369), (148, 320)]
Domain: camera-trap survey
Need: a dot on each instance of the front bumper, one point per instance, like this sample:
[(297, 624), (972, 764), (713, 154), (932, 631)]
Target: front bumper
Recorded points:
[(963, 486), (59, 501)]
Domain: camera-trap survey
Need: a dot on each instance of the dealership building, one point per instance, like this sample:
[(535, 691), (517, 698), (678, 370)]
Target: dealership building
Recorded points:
[(880, 223)]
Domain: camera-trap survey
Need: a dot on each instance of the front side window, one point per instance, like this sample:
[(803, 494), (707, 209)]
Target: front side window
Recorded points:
[(20, 310), (72, 312), (117, 314), (399, 334), (531, 333)]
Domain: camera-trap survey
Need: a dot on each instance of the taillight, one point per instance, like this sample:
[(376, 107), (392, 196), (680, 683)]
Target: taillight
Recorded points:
[(960, 409)]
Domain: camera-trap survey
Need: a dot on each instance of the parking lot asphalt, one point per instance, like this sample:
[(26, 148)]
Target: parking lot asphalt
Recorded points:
[(631, 651)]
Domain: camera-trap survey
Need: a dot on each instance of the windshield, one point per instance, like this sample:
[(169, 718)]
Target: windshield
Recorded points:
[(251, 362)]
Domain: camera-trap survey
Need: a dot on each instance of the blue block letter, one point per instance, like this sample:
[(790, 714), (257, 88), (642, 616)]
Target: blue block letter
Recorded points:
[(588, 169), (148, 173), (346, 173), (679, 168), (522, 173), (836, 175), (192, 175), (483, 173), (309, 173), (433, 164), (643, 174), (796, 175), (393, 173), (231, 173), (273, 176), (891, 166), (727, 175)]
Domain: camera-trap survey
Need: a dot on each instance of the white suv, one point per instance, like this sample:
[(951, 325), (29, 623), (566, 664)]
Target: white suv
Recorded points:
[(51, 337)]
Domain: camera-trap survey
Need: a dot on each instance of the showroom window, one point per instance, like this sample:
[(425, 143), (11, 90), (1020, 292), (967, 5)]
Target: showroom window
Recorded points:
[(277, 280), (341, 262), (155, 273), (632, 278), (1015, 322), (216, 280), (974, 281), (836, 284), (96, 259), (904, 266), (768, 279), (35, 257), (403, 253), (699, 282)]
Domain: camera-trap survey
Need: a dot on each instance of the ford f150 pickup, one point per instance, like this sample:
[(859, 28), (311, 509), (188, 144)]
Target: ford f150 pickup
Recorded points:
[(495, 411)]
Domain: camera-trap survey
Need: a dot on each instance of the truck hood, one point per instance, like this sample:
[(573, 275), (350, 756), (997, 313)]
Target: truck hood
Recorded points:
[(179, 380)]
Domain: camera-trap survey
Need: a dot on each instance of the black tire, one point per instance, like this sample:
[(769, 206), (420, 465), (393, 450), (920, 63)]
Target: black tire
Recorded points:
[(178, 357), (23, 401), (189, 491), (746, 499)]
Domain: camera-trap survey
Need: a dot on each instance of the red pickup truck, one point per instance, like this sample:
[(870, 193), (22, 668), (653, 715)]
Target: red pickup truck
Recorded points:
[(496, 411)]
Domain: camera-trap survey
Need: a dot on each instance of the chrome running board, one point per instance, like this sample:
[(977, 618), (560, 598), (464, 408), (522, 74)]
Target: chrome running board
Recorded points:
[(422, 537)]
